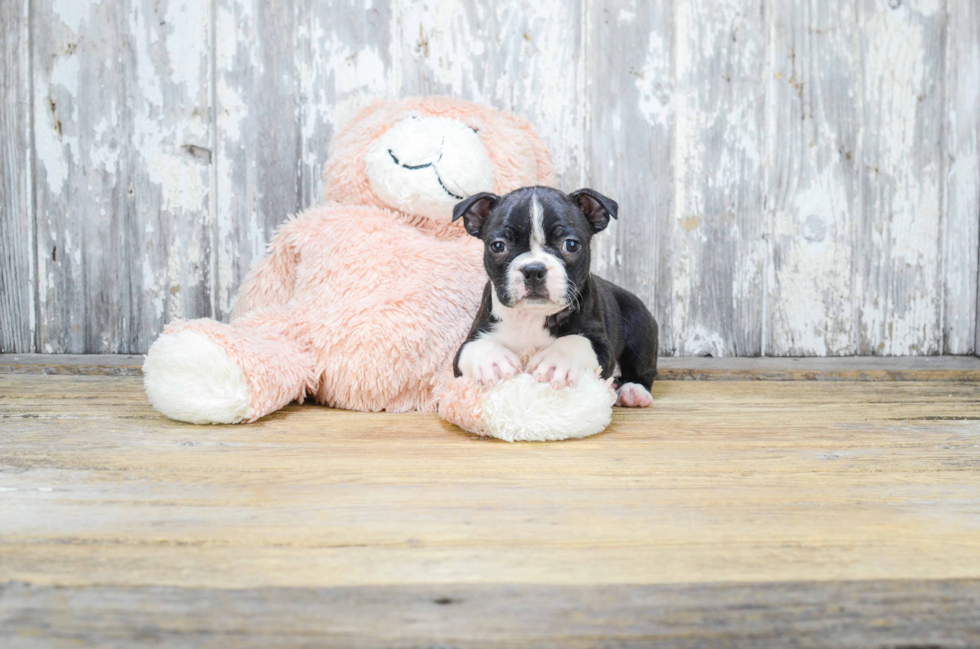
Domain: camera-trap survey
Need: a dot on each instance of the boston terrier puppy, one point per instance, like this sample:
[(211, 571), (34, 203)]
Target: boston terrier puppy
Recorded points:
[(542, 297)]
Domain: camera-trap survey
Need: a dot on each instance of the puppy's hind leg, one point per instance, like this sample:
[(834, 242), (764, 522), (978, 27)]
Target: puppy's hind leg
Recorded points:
[(639, 359)]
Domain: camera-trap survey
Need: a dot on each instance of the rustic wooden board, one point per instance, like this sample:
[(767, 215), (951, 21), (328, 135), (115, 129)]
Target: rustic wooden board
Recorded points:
[(520, 56), (898, 281), (16, 202), (284, 74), (720, 481), (717, 233), (961, 208), (836, 513), (813, 177), (87, 364), (858, 614), (121, 132), (676, 368), (854, 368), (630, 149)]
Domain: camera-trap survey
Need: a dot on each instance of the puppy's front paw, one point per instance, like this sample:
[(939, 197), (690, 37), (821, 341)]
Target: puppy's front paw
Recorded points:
[(487, 362), (553, 368), (633, 395), (562, 362)]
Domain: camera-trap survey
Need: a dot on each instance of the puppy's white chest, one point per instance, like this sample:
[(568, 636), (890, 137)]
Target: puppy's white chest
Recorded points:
[(521, 332)]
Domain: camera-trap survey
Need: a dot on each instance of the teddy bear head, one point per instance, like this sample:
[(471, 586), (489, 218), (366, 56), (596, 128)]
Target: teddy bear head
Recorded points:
[(422, 155)]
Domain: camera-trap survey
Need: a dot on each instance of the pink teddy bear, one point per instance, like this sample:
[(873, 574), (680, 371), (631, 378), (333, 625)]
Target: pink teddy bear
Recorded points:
[(360, 303)]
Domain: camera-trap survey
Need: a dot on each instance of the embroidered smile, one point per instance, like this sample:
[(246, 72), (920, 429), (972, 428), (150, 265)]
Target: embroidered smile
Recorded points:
[(429, 164)]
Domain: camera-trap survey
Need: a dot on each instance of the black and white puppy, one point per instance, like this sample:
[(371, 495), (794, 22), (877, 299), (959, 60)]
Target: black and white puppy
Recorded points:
[(542, 296)]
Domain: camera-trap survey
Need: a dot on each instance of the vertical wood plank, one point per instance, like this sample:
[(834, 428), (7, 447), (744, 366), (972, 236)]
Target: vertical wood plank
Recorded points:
[(630, 147), (16, 204), (258, 134), (898, 278), (284, 74), (961, 207), (814, 176), (717, 233), (522, 57), (121, 119)]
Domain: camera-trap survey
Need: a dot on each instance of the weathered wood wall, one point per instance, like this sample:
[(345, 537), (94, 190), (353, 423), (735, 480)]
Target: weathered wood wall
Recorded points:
[(796, 177)]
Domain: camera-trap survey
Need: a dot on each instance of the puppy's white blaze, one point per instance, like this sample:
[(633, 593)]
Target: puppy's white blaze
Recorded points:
[(537, 225), (556, 281)]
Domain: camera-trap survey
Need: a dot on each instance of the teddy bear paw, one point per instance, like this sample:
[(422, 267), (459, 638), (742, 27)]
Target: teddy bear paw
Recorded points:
[(190, 378)]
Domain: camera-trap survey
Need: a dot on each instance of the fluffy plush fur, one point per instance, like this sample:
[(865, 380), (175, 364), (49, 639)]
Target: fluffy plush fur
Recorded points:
[(188, 362), (523, 410), (362, 302)]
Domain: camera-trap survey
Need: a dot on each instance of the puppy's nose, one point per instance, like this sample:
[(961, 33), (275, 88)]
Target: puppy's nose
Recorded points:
[(534, 274)]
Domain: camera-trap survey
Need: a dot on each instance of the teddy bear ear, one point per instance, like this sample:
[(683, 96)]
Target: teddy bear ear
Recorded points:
[(475, 211), (598, 209)]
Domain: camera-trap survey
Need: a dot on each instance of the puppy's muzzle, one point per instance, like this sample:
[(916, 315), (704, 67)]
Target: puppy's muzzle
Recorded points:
[(535, 277)]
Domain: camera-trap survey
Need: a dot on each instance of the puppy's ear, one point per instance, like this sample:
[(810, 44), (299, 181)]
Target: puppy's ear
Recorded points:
[(598, 209), (475, 211)]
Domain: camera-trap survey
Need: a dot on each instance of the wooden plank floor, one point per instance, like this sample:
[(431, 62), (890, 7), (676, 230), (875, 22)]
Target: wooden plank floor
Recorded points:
[(847, 368), (732, 513)]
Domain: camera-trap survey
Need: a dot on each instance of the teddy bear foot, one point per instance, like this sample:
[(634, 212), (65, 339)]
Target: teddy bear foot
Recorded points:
[(189, 378)]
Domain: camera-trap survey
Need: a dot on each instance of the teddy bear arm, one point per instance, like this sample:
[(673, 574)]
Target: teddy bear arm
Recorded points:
[(271, 280)]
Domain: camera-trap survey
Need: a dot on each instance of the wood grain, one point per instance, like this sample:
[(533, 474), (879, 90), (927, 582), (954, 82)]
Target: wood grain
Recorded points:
[(720, 481), (121, 131), (796, 178), (813, 177), (678, 368), (858, 614), (898, 289), (832, 512), (519, 56), (961, 209), (16, 201), (284, 74), (855, 368), (85, 364), (717, 234), (630, 149)]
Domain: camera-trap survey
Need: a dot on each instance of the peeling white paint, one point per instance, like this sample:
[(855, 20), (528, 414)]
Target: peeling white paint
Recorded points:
[(902, 199), (56, 141), (962, 182), (699, 341), (655, 83), (627, 14), (147, 75), (718, 252), (185, 33), (901, 301), (811, 299), (183, 184), (73, 12), (535, 54)]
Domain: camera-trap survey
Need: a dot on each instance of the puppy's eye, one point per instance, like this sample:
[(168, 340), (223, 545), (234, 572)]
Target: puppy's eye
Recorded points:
[(570, 245), (498, 247)]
